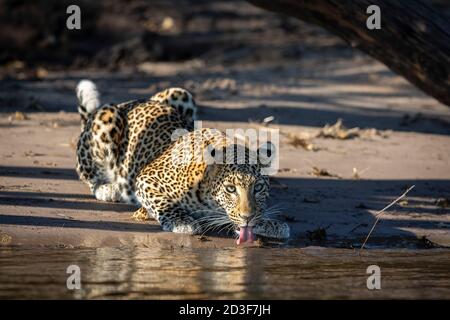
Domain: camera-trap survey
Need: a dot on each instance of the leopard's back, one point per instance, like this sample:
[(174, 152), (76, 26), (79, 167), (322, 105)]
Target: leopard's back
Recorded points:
[(117, 141), (147, 134)]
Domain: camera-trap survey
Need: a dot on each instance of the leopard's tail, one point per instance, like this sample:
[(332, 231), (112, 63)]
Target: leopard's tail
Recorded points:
[(88, 99)]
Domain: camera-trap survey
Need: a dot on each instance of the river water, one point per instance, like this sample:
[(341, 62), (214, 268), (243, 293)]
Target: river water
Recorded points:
[(223, 273)]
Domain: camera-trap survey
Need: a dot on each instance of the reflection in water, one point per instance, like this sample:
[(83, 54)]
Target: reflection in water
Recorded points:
[(229, 273), (225, 272)]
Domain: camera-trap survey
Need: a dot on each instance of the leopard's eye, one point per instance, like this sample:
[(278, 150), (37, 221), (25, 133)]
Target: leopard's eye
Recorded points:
[(258, 187), (230, 189)]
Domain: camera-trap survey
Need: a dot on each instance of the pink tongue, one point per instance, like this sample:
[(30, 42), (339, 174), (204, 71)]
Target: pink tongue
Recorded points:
[(245, 235)]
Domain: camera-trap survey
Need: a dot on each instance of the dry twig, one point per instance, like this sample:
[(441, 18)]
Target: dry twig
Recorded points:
[(379, 213)]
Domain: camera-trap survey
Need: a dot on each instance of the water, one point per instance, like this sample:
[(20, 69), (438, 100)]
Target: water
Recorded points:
[(230, 273)]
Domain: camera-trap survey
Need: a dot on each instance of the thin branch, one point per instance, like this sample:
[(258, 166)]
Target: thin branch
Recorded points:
[(379, 213)]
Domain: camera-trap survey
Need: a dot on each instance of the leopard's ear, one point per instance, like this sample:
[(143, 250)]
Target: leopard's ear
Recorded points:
[(211, 171), (214, 154), (266, 154)]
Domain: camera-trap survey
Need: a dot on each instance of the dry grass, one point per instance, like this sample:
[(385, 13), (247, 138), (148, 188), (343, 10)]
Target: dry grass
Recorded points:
[(18, 116), (339, 131), (320, 172), (443, 202), (297, 142), (357, 174)]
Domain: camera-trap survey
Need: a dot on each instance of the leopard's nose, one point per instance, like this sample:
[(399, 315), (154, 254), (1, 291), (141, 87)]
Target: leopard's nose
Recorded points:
[(246, 216)]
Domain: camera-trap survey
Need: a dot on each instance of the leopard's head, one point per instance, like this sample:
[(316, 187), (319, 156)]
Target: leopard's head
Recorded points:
[(239, 191)]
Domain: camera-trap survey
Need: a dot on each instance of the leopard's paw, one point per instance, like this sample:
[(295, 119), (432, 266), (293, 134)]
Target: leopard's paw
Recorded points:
[(185, 228), (141, 215), (272, 229), (186, 225), (107, 192)]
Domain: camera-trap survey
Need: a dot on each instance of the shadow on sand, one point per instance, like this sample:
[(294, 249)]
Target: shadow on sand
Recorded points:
[(343, 207)]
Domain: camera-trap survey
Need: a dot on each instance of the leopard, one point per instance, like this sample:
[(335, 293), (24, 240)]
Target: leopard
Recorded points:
[(149, 153)]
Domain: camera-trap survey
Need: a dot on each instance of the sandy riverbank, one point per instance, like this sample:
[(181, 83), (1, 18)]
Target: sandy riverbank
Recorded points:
[(43, 203)]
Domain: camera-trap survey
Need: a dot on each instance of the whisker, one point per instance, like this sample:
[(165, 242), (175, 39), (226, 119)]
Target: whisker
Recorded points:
[(275, 208), (272, 214), (273, 211), (215, 225), (211, 218), (226, 226), (215, 222)]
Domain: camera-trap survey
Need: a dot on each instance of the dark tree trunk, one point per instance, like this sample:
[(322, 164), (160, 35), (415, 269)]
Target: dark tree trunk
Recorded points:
[(414, 39)]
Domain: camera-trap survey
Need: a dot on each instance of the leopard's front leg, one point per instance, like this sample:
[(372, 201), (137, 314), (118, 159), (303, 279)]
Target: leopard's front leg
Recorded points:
[(176, 219), (165, 210), (272, 229)]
